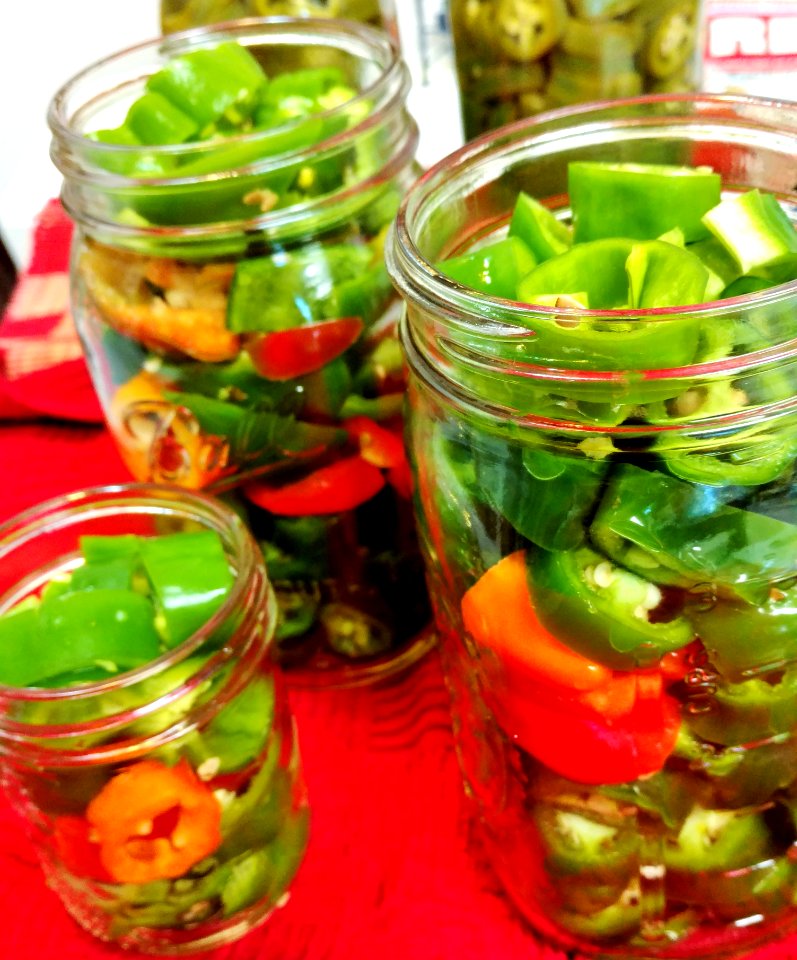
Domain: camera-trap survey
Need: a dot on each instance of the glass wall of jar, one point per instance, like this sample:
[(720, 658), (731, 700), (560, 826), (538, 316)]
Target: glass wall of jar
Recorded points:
[(607, 507), (234, 306), (179, 15), (517, 58), (144, 736)]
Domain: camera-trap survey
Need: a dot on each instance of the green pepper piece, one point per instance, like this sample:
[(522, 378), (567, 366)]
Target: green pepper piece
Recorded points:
[(641, 201), (539, 228), (365, 295), (325, 391), (291, 289), (155, 120), (762, 888), (744, 285), (377, 408), (190, 578), (544, 496), (663, 275), (495, 269), (671, 29), (597, 269), (257, 437), (584, 848), (684, 534), (722, 268), (311, 82), (620, 917), (211, 85), (239, 730), (574, 80), (747, 712), (69, 633), (719, 840), (524, 30), (602, 9), (601, 610), (752, 462), (757, 232)]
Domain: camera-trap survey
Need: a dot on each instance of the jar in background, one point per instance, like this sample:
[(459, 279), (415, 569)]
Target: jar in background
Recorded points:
[(238, 320), (179, 15), (517, 58), (611, 549), (163, 790)]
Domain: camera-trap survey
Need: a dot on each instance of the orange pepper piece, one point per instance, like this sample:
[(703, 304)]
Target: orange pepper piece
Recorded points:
[(498, 614), (145, 426), (152, 822)]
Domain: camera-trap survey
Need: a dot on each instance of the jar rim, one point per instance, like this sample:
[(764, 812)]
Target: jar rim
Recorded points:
[(72, 152), (416, 277)]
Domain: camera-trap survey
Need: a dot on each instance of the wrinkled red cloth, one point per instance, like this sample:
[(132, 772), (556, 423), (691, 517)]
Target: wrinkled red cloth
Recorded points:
[(389, 871)]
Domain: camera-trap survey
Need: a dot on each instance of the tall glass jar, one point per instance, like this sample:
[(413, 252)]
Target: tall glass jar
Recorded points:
[(516, 58), (164, 793), (179, 15), (238, 320), (612, 549)]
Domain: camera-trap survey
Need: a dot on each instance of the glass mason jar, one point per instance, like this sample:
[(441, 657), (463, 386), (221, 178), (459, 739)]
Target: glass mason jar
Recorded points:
[(163, 791), (517, 58), (240, 327), (612, 549), (179, 15)]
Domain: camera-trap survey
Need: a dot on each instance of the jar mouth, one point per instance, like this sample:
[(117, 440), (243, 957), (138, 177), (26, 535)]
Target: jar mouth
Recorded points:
[(108, 86), (144, 501), (424, 232)]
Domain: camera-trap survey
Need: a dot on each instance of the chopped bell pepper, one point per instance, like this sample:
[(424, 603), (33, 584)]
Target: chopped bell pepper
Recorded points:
[(641, 201), (189, 576), (758, 233), (678, 533), (495, 269), (544, 235)]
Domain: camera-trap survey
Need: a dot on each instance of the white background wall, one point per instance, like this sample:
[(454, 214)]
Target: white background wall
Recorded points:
[(42, 44)]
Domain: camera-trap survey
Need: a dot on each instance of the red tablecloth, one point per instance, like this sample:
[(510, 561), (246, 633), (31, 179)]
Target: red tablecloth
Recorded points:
[(389, 871)]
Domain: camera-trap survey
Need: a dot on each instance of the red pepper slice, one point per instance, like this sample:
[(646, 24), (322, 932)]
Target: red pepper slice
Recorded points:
[(152, 822), (578, 717), (378, 445), (340, 486), (586, 745), (285, 354)]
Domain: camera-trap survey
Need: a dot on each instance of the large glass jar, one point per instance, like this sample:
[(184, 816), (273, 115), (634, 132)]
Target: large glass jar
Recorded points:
[(238, 320), (182, 14), (612, 549), (516, 58), (160, 780)]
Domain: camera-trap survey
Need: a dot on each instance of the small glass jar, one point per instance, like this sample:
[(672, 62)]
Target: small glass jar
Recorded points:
[(179, 15), (517, 58), (239, 323), (583, 513), (166, 801)]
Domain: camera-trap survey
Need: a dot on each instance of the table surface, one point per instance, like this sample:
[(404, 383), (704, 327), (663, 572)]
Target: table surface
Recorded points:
[(390, 871)]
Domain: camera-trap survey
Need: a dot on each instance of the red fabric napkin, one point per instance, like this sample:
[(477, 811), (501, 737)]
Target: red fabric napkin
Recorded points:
[(42, 370)]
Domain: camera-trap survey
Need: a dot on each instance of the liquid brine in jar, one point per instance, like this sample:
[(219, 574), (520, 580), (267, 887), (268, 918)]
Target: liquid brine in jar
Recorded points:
[(231, 189)]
